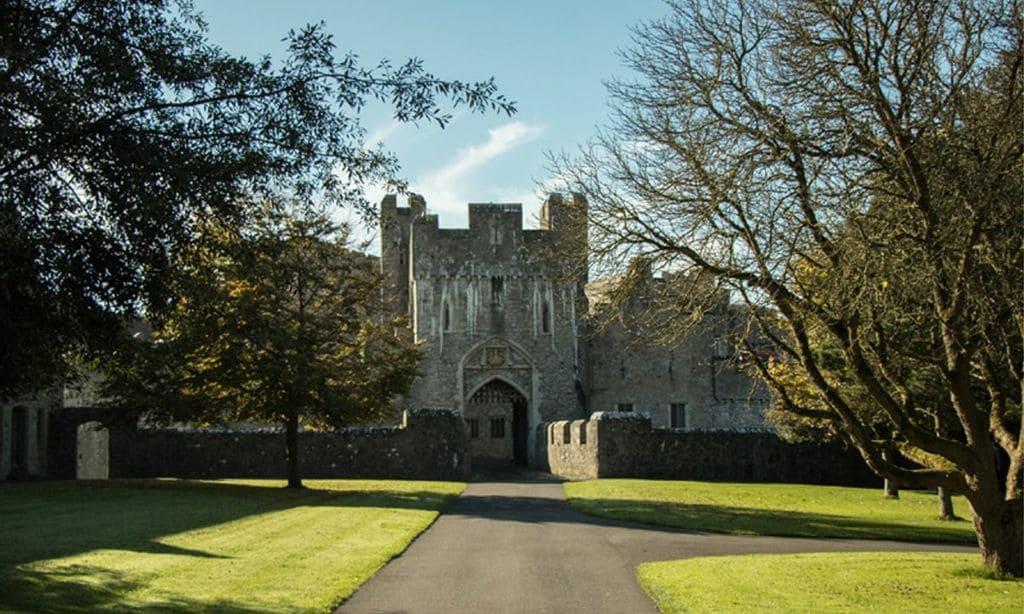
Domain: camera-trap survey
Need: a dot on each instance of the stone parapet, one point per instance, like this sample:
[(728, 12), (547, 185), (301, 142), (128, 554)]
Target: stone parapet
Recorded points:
[(622, 445)]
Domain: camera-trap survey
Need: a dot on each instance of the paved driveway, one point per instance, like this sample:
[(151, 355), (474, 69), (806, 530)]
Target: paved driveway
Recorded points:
[(510, 543)]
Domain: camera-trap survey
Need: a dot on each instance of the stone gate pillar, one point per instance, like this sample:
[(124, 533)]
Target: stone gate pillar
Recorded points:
[(93, 458)]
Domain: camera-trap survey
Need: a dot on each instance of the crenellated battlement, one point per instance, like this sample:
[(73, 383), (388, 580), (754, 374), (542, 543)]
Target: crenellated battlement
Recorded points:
[(624, 445), (414, 246), (495, 304)]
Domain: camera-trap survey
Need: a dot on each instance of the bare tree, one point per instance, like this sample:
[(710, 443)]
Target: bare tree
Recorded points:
[(854, 171)]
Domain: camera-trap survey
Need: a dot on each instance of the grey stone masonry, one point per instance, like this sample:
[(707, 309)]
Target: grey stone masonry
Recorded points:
[(494, 304), (430, 444), (616, 445), (490, 304), (24, 431)]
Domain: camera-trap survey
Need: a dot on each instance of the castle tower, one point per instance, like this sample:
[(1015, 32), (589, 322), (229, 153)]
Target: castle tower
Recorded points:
[(569, 219), (498, 315), (395, 223)]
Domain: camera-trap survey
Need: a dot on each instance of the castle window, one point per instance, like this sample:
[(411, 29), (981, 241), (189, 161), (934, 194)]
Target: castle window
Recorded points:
[(625, 408), (447, 317), (497, 289), (677, 416), (497, 428), (545, 318), (41, 430), (474, 428)]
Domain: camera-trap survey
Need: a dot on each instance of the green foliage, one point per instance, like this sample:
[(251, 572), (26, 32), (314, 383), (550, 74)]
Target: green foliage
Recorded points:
[(278, 321), (829, 582), (793, 510), (122, 128), (176, 546), (282, 317)]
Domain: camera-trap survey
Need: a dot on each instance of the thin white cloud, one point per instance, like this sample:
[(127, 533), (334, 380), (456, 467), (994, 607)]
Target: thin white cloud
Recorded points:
[(444, 187), (500, 139), (381, 133)]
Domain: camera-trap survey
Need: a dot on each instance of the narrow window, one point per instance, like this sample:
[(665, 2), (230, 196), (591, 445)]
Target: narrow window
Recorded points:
[(41, 432), (625, 408), (497, 288), (447, 317), (497, 428), (677, 416), (474, 428), (545, 317)]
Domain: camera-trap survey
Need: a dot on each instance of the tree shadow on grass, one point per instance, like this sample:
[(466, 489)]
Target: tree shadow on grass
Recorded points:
[(45, 520), (48, 520), (752, 521), (65, 591)]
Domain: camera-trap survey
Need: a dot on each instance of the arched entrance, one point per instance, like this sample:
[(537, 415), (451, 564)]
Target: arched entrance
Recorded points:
[(496, 414)]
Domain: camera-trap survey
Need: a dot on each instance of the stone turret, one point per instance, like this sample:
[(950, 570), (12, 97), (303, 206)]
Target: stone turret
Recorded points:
[(569, 219), (395, 223)]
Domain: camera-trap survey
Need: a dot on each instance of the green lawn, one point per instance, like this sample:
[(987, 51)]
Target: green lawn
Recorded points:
[(834, 582), (772, 509), (171, 545)]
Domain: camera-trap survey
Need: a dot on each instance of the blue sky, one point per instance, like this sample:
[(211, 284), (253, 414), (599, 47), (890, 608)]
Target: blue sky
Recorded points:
[(549, 56)]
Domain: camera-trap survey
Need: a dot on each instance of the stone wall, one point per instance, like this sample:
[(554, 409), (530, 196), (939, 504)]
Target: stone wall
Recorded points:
[(429, 445), (62, 443), (697, 377), (489, 303), (93, 452), (23, 435), (615, 445)]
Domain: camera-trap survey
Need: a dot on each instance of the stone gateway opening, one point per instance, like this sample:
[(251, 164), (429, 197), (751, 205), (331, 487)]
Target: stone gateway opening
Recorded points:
[(19, 442), (498, 425)]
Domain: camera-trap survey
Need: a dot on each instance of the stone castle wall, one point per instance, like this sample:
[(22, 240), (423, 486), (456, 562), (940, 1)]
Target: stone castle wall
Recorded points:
[(429, 445), (612, 445), (24, 433), (709, 390), (489, 303)]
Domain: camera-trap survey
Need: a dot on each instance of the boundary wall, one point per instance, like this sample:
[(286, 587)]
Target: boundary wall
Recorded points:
[(430, 444), (622, 445)]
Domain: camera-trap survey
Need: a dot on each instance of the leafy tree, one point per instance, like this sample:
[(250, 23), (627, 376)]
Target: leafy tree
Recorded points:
[(854, 171), (122, 127), (798, 413), (278, 322)]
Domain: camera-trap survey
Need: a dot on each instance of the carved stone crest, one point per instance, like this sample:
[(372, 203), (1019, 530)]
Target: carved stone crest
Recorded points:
[(495, 356)]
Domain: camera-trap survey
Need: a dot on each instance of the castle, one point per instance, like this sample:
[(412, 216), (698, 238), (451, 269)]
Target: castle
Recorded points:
[(510, 341)]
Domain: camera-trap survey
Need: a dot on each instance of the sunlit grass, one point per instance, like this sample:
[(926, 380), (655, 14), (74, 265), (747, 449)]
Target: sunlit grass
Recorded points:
[(238, 545), (833, 582), (796, 510)]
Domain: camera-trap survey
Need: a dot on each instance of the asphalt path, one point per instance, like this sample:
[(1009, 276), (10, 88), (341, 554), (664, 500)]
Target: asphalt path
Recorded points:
[(510, 543)]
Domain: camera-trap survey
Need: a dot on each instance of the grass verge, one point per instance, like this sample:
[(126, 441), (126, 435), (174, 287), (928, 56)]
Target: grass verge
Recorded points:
[(175, 545), (793, 510), (832, 582)]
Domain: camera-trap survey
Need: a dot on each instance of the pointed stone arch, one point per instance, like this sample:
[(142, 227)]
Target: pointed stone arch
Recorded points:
[(497, 362), (498, 378)]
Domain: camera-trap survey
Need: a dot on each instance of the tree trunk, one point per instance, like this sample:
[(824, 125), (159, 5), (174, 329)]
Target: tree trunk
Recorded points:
[(891, 490), (1000, 528), (292, 444), (946, 504)]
